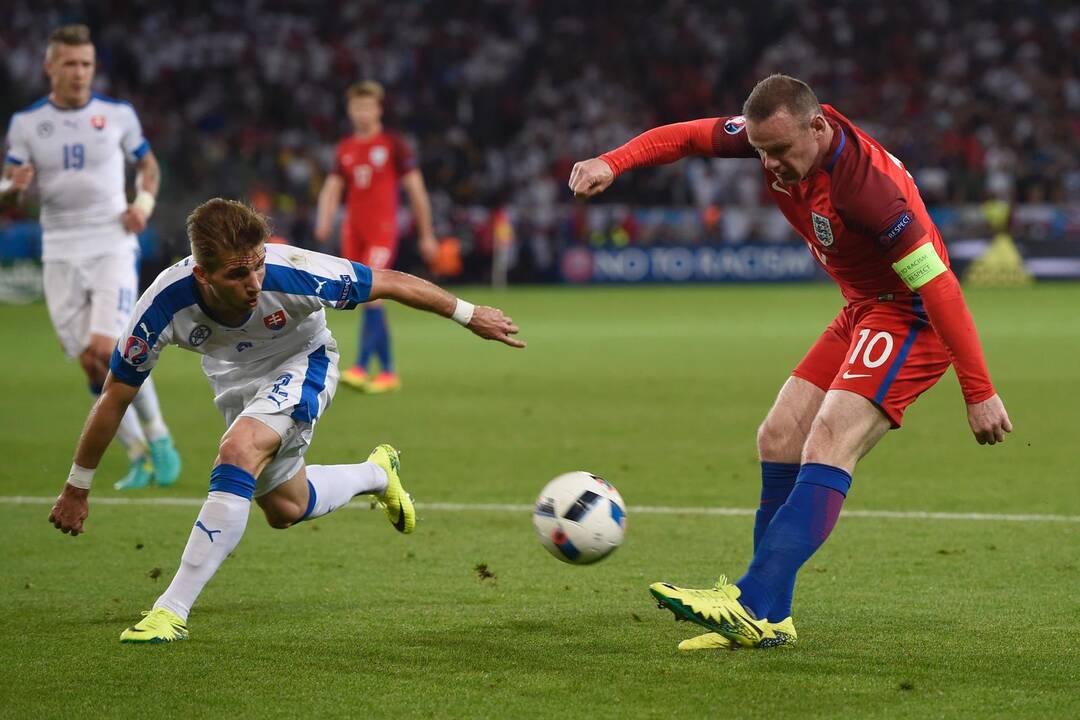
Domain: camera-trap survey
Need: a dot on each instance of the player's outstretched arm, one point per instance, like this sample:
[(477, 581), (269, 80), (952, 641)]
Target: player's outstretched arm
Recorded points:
[(487, 322), (659, 146), (72, 506)]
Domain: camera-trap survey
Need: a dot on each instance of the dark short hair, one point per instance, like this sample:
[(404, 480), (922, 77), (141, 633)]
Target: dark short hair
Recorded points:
[(219, 226), (781, 92), (68, 35)]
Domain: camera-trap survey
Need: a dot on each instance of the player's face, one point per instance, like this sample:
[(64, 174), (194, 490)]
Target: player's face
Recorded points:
[(234, 287), (365, 114), (71, 72), (789, 148)]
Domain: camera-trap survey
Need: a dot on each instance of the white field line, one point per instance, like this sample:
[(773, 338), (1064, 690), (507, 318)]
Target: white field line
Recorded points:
[(633, 510)]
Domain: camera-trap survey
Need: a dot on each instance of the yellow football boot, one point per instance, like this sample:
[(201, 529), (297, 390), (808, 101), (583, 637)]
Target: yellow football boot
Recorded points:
[(356, 377), (384, 382), (395, 502), (783, 635), (157, 626), (717, 609)]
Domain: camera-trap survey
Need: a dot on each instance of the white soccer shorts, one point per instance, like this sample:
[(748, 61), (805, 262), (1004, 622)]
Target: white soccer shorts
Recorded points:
[(288, 396), (90, 296)]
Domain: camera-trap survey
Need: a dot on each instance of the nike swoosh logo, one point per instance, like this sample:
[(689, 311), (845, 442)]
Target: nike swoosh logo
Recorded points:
[(780, 188), (848, 376)]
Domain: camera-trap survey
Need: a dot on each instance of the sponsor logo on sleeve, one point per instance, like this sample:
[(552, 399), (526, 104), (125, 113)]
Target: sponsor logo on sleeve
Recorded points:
[(136, 351), (275, 320), (343, 297), (735, 125), (893, 234), (198, 335), (822, 229)]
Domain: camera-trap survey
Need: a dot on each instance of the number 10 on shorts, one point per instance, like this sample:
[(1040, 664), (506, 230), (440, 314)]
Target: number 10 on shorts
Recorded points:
[(876, 351)]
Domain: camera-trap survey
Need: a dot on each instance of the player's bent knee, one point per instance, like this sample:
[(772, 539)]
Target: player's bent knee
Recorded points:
[(234, 451), (779, 440), (282, 514)]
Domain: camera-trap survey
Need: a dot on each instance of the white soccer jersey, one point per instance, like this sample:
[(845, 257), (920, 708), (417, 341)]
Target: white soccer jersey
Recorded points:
[(78, 157), (288, 320)]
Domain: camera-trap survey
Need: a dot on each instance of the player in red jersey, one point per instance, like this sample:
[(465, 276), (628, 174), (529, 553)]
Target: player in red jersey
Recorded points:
[(905, 321), (370, 163)]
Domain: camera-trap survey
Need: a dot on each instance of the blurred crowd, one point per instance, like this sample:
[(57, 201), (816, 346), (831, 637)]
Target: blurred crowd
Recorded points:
[(981, 99)]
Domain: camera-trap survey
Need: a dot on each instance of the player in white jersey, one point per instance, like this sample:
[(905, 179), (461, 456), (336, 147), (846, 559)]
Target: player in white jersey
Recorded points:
[(76, 142), (256, 313)]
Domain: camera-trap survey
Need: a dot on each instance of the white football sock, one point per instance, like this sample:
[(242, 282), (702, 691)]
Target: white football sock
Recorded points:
[(335, 485), (130, 435), (146, 404), (217, 532)]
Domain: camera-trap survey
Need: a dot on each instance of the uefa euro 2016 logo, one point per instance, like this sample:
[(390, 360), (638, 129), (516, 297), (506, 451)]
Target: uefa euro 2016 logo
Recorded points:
[(136, 351)]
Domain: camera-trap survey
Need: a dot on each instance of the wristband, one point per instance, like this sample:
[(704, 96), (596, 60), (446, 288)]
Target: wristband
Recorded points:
[(5, 185), (145, 201), (80, 477), (463, 312)]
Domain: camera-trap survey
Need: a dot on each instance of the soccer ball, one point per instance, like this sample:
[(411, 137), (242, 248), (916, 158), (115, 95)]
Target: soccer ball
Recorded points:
[(580, 518)]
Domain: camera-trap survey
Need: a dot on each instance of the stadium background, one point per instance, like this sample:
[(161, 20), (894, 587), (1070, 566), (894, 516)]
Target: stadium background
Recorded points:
[(980, 99), (949, 586)]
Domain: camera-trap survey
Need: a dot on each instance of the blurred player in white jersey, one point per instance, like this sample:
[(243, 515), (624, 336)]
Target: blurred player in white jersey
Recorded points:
[(75, 142), (256, 313)]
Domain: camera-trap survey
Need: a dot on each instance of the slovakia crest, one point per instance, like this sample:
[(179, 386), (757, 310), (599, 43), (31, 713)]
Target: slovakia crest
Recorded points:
[(378, 155), (97, 122), (198, 335), (822, 229), (275, 320), (735, 125), (136, 351)]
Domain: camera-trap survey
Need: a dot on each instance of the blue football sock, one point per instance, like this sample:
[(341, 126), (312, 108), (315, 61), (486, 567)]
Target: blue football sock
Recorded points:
[(368, 336), (382, 341), (777, 479), (799, 528)]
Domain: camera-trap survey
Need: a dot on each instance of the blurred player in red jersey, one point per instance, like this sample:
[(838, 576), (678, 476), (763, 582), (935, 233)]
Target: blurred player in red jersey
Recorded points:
[(905, 321), (370, 163)]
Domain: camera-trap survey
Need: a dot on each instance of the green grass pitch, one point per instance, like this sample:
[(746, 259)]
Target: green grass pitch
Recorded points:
[(660, 390)]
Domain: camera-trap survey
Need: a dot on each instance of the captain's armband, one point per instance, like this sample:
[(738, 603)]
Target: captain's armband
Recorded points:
[(919, 266)]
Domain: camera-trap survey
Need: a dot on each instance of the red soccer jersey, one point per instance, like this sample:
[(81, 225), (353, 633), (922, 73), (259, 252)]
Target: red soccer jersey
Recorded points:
[(859, 212), (372, 168)]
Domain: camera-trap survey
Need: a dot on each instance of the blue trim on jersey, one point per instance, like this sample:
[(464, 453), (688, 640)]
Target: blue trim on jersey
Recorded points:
[(897, 363), (918, 308), (307, 410), (141, 150), (155, 318), (836, 155), (342, 293), (111, 101), (34, 106), (11, 159), (233, 480)]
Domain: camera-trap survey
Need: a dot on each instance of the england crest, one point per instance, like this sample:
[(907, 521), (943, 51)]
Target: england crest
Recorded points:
[(822, 229), (275, 320)]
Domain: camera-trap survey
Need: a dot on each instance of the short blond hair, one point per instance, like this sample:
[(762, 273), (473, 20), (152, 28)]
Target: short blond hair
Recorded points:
[(366, 88), (224, 226), (67, 35)]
